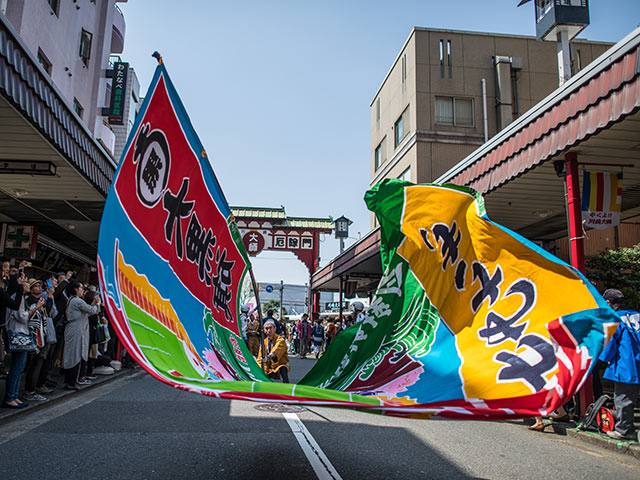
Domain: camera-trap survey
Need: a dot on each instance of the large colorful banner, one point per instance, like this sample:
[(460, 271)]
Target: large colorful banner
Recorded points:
[(469, 320), (601, 199)]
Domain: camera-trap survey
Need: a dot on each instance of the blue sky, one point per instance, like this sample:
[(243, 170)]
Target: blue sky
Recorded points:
[(279, 91)]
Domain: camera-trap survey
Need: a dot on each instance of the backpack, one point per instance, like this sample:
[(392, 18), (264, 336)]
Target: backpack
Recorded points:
[(600, 416), (304, 329), (318, 333)]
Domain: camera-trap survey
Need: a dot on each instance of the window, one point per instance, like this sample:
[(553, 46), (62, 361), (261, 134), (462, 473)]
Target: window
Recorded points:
[(378, 155), (44, 61), (85, 46), (445, 51), (378, 111), (463, 112), (576, 60), (449, 58), (77, 107), (406, 175), (54, 4), (398, 132), (401, 127), (444, 110), (454, 111)]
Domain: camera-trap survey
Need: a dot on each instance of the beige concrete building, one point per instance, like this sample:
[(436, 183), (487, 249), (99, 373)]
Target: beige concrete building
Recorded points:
[(429, 112)]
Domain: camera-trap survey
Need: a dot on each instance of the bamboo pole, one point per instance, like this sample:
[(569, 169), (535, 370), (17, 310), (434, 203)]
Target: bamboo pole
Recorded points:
[(257, 294)]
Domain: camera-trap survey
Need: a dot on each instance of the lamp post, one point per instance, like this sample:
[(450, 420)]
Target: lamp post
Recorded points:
[(560, 21), (342, 230)]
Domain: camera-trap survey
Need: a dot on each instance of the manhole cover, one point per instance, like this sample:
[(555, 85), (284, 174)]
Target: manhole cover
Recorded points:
[(279, 408)]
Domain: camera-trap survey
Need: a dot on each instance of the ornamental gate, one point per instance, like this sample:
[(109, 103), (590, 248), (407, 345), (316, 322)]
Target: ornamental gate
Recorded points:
[(270, 229)]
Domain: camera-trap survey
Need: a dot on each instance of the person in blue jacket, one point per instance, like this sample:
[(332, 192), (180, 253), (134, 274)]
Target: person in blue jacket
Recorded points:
[(622, 353)]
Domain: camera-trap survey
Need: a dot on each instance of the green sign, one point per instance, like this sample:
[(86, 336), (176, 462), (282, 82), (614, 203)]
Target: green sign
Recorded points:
[(118, 93)]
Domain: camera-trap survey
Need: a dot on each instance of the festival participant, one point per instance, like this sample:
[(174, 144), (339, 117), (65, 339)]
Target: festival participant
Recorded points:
[(253, 335), (295, 337), (331, 334), (358, 316), (317, 337), (245, 314), (269, 317), (304, 332), (76, 334), (622, 353), (277, 359), (281, 328)]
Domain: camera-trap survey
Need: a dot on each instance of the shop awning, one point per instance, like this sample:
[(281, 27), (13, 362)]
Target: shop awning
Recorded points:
[(38, 126)]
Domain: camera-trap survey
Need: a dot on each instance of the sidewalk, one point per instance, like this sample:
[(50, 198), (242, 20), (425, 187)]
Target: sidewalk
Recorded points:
[(7, 414), (626, 447)]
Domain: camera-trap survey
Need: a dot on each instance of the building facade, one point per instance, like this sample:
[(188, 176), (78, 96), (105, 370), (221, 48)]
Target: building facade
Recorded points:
[(57, 148), (593, 117), (75, 43), (449, 91)]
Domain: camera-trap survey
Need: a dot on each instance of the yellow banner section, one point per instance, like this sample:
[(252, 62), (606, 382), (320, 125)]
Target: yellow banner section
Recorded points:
[(496, 294)]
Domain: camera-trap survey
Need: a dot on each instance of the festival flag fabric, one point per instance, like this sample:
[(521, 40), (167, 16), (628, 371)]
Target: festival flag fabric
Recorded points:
[(469, 320), (601, 199)]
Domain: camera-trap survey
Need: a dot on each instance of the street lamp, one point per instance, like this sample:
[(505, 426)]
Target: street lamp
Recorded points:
[(342, 230), (560, 21)]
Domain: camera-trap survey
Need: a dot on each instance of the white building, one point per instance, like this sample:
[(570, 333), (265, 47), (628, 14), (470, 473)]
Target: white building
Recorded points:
[(75, 43)]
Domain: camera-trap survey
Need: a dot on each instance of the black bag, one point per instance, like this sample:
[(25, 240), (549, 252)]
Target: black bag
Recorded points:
[(100, 336), (598, 414)]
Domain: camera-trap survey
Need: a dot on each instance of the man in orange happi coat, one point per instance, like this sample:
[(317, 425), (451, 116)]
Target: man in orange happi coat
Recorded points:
[(276, 359)]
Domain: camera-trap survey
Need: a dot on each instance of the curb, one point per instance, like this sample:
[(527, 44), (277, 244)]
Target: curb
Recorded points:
[(8, 415), (628, 447)]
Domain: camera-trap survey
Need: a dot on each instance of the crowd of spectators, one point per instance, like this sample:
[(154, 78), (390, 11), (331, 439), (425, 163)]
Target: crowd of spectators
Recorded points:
[(303, 336), (50, 325)]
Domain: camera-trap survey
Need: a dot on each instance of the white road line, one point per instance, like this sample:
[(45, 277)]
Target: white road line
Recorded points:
[(318, 460)]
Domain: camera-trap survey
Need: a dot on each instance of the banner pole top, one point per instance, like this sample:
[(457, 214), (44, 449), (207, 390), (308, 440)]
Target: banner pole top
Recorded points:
[(157, 56)]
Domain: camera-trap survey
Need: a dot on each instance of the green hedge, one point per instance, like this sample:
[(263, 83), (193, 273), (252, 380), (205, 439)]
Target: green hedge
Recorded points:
[(617, 269)]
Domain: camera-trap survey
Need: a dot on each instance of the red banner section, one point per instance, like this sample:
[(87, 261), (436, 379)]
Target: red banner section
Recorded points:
[(163, 191)]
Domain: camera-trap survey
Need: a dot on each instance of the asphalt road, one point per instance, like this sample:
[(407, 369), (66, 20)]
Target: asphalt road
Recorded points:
[(137, 427)]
